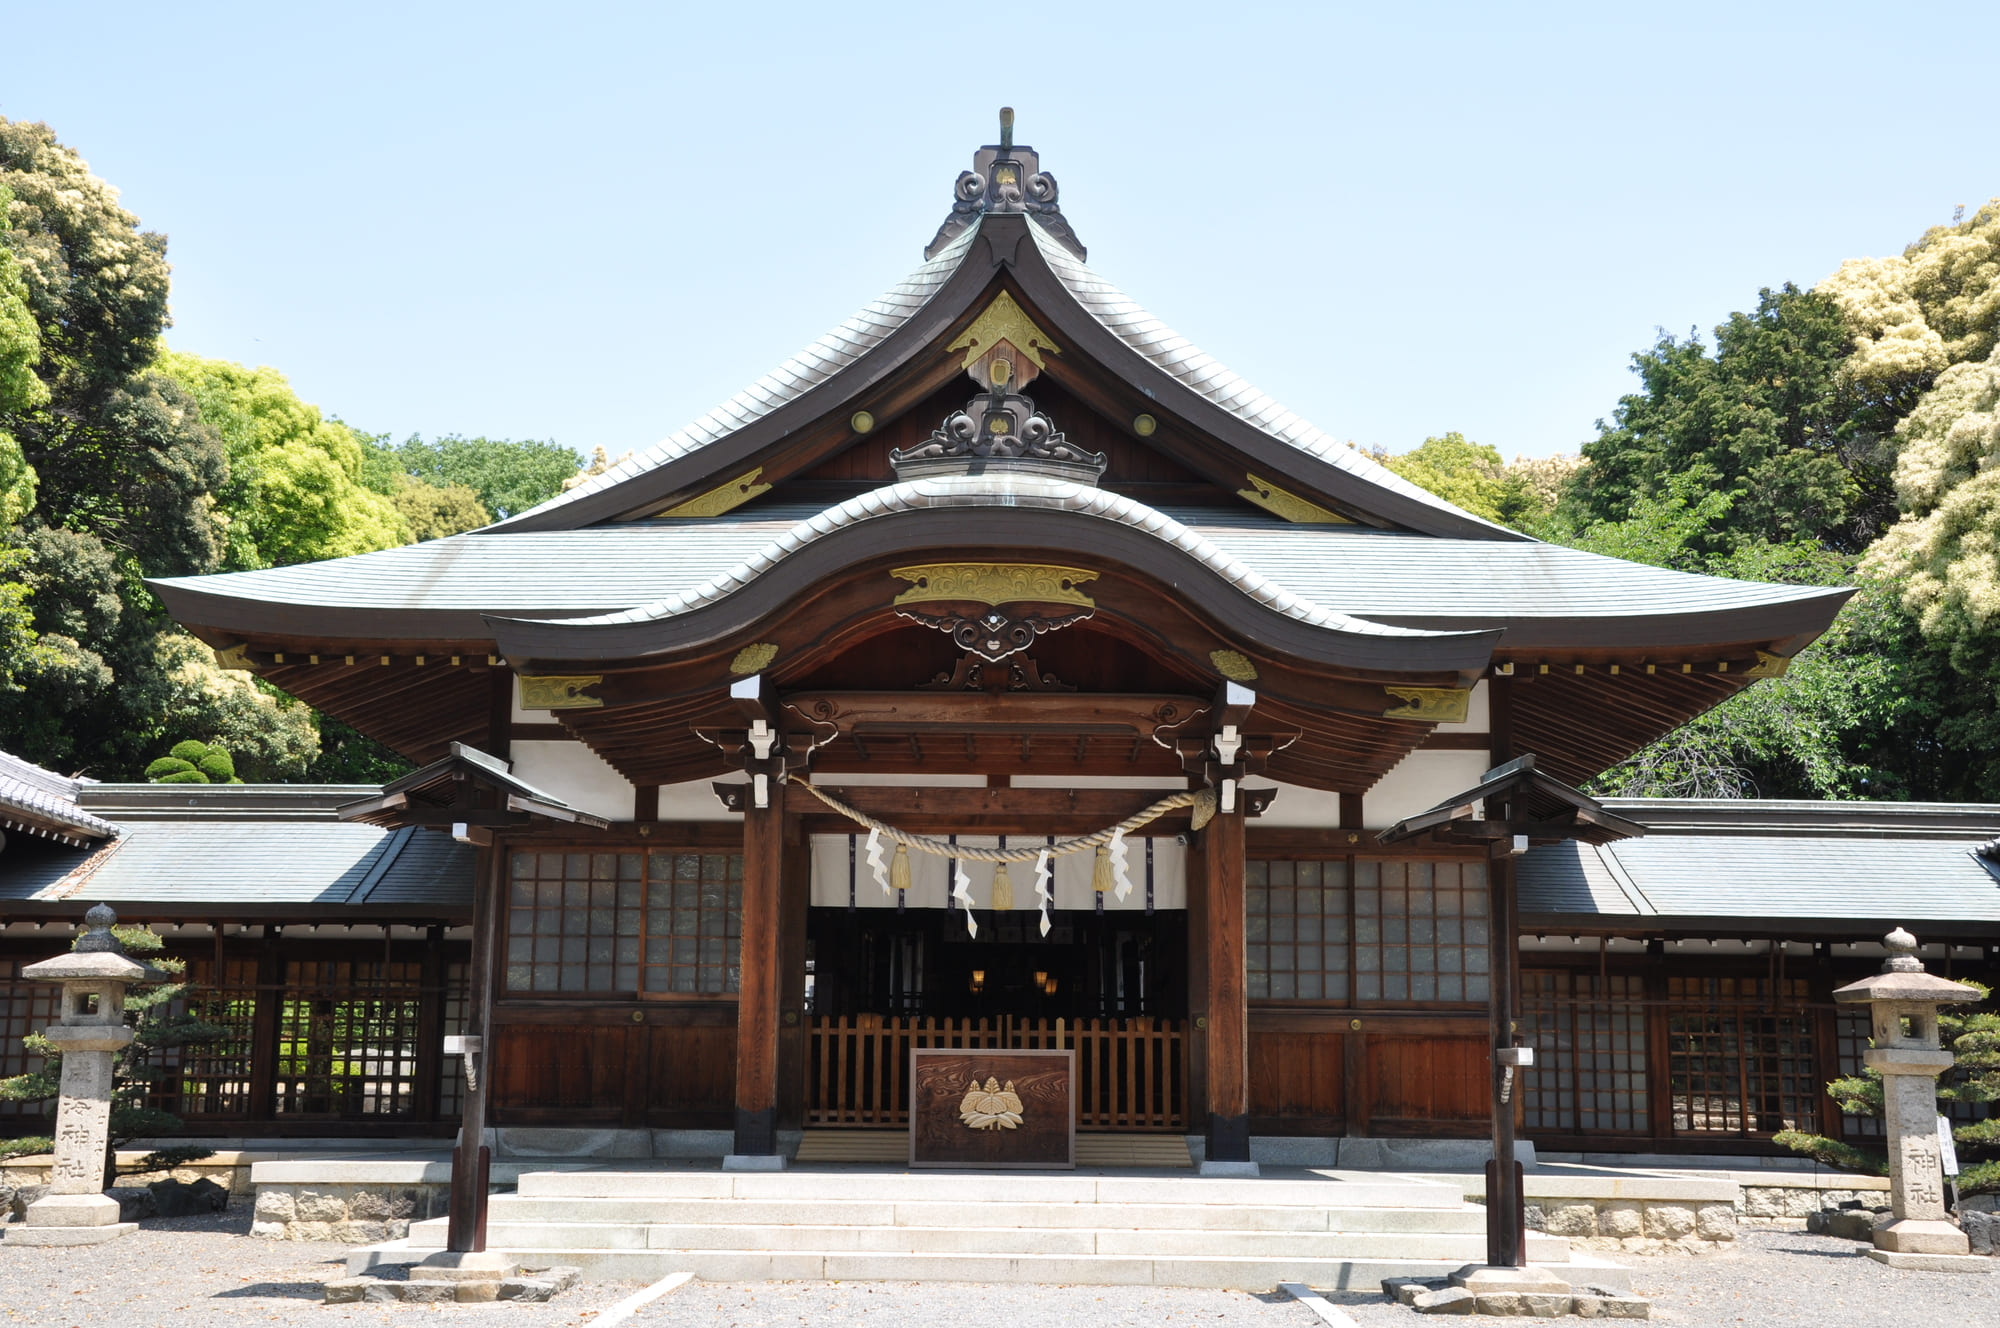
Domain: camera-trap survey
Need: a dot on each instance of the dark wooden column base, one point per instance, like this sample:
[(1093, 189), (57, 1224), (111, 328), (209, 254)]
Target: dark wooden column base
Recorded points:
[(1228, 1138), (756, 1132)]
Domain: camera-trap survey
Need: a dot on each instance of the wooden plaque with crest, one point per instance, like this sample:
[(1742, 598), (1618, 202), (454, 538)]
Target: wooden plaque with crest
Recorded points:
[(992, 1109)]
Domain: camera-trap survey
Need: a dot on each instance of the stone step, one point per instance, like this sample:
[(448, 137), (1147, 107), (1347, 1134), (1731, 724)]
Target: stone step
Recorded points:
[(937, 1213), (1245, 1273), (1092, 1150), (1465, 1247), (1311, 1189)]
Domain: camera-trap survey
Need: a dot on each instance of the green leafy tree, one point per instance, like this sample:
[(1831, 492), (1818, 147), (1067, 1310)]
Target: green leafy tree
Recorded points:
[(295, 490), (161, 1026), (1803, 450), (20, 389), (349, 756), (1472, 476), (1973, 1035), (432, 512), (509, 476), (118, 450)]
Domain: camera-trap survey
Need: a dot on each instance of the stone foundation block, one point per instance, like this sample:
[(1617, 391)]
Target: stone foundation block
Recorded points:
[(275, 1205), (320, 1206), (1571, 1219), (346, 1290), (1715, 1222), (1624, 1218), (1448, 1300), (1933, 1263), (1524, 1304), (1668, 1221), (1405, 1290), (1592, 1302)]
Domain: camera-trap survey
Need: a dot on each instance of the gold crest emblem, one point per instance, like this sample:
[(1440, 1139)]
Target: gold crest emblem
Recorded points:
[(991, 1107)]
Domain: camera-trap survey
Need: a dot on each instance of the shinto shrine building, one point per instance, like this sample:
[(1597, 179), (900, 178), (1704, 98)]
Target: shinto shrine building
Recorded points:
[(741, 764)]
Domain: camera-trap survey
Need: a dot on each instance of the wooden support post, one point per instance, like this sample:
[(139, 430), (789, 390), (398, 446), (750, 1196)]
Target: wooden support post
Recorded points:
[(757, 995), (266, 1027), (430, 1023), (465, 1229), (1228, 1005), (1505, 1238)]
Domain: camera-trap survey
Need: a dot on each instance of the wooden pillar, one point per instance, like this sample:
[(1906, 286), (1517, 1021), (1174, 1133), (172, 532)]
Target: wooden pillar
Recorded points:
[(1228, 1006), (466, 1229), (266, 1026), (430, 1022), (1505, 1242), (758, 992)]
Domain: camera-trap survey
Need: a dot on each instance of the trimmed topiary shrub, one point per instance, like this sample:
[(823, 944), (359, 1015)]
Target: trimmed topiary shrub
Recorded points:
[(194, 763)]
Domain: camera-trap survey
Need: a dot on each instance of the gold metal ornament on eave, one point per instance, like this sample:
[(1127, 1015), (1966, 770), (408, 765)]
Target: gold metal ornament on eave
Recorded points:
[(995, 583), (1288, 505), (724, 497), (754, 658), (1434, 705), (550, 692), (1004, 334)]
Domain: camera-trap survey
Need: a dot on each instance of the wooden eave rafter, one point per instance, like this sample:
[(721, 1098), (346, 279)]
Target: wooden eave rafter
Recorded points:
[(904, 368)]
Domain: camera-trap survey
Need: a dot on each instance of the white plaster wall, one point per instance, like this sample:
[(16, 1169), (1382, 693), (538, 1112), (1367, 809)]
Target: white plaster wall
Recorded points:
[(1420, 781), (696, 800), (1478, 713), (930, 885), (1297, 808), (578, 776)]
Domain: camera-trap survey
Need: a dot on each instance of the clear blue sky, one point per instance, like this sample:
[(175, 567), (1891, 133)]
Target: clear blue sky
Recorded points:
[(592, 222)]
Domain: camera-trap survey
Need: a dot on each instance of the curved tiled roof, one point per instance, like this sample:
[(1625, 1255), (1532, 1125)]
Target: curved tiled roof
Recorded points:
[(1363, 573), (44, 802), (1200, 372), (1001, 490)]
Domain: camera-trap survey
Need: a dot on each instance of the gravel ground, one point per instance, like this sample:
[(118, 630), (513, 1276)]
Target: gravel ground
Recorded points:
[(190, 1272), (1782, 1279), (187, 1272)]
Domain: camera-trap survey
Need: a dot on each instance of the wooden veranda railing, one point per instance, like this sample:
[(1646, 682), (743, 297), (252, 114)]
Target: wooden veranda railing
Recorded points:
[(1131, 1073)]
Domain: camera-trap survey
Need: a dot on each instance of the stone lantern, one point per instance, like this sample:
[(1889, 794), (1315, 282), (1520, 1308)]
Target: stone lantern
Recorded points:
[(89, 1031), (1903, 1003)]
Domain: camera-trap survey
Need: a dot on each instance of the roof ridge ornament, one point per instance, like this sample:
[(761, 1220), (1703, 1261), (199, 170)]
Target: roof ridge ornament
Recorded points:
[(1005, 178)]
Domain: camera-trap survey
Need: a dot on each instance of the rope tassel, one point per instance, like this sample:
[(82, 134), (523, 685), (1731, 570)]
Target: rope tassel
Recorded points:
[(1003, 889), (899, 868), (1100, 870)]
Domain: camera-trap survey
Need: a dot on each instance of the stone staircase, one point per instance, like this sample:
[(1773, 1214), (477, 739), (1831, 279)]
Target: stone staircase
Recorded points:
[(1330, 1229)]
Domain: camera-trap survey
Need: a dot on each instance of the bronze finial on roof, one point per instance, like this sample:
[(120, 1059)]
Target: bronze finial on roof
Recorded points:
[(1006, 178)]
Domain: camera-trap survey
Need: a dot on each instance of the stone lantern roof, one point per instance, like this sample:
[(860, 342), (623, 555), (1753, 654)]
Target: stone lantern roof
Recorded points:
[(98, 957), (1903, 979)]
